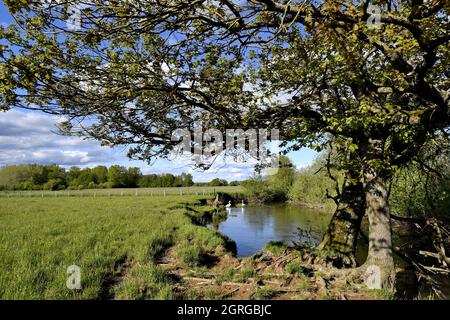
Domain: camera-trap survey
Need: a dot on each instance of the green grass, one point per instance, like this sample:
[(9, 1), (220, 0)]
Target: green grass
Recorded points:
[(191, 255), (212, 294), (148, 192), (305, 285), (294, 267), (275, 247), (114, 241), (383, 294), (145, 282), (245, 273), (265, 293)]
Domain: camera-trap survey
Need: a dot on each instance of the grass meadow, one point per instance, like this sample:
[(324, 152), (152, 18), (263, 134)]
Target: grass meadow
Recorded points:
[(181, 191), (114, 240)]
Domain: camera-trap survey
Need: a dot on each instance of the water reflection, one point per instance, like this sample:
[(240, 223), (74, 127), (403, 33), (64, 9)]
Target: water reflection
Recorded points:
[(253, 226)]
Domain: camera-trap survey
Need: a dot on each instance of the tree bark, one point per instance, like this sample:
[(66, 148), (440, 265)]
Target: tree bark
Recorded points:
[(379, 266), (344, 227)]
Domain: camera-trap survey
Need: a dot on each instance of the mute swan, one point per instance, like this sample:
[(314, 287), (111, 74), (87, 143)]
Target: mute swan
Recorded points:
[(243, 204), (228, 204)]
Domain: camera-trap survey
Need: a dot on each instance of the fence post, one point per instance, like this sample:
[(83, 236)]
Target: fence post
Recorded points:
[(164, 192)]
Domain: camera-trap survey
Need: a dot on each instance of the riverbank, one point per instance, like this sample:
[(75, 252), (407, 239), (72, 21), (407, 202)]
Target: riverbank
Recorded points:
[(274, 273), (276, 270), (247, 227)]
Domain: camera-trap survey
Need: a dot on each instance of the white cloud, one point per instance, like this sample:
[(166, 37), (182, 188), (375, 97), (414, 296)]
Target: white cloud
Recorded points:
[(62, 157), (30, 137)]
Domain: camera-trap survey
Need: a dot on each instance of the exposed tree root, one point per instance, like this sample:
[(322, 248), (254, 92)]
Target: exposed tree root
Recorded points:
[(292, 274)]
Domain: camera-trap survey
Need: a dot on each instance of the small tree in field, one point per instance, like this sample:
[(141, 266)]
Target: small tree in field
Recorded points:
[(369, 76)]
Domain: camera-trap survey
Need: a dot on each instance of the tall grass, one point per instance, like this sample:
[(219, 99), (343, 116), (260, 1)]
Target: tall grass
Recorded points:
[(148, 192), (41, 237)]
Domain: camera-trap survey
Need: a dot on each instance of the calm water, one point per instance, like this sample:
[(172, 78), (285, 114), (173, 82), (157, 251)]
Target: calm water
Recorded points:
[(251, 227)]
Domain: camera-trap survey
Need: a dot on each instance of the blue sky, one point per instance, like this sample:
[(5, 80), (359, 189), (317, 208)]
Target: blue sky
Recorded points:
[(29, 137)]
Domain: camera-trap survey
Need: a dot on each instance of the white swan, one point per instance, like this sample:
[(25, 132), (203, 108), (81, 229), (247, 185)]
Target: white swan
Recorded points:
[(228, 205), (243, 204)]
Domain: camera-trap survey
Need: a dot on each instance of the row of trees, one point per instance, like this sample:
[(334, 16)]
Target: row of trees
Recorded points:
[(53, 177), (166, 180)]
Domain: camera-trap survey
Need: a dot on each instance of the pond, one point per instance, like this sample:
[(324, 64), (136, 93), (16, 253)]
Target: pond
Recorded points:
[(251, 227)]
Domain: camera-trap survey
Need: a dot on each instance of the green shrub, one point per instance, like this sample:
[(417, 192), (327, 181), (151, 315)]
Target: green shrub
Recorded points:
[(274, 187), (413, 193), (311, 188)]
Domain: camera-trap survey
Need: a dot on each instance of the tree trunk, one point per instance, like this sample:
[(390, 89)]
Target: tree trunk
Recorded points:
[(379, 266), (344, 227)]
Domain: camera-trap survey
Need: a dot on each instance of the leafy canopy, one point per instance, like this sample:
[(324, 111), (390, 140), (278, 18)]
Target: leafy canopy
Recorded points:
[(137, 70)]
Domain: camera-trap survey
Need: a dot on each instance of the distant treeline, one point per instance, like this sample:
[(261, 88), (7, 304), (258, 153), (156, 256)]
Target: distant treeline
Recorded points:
[(54, 177)]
